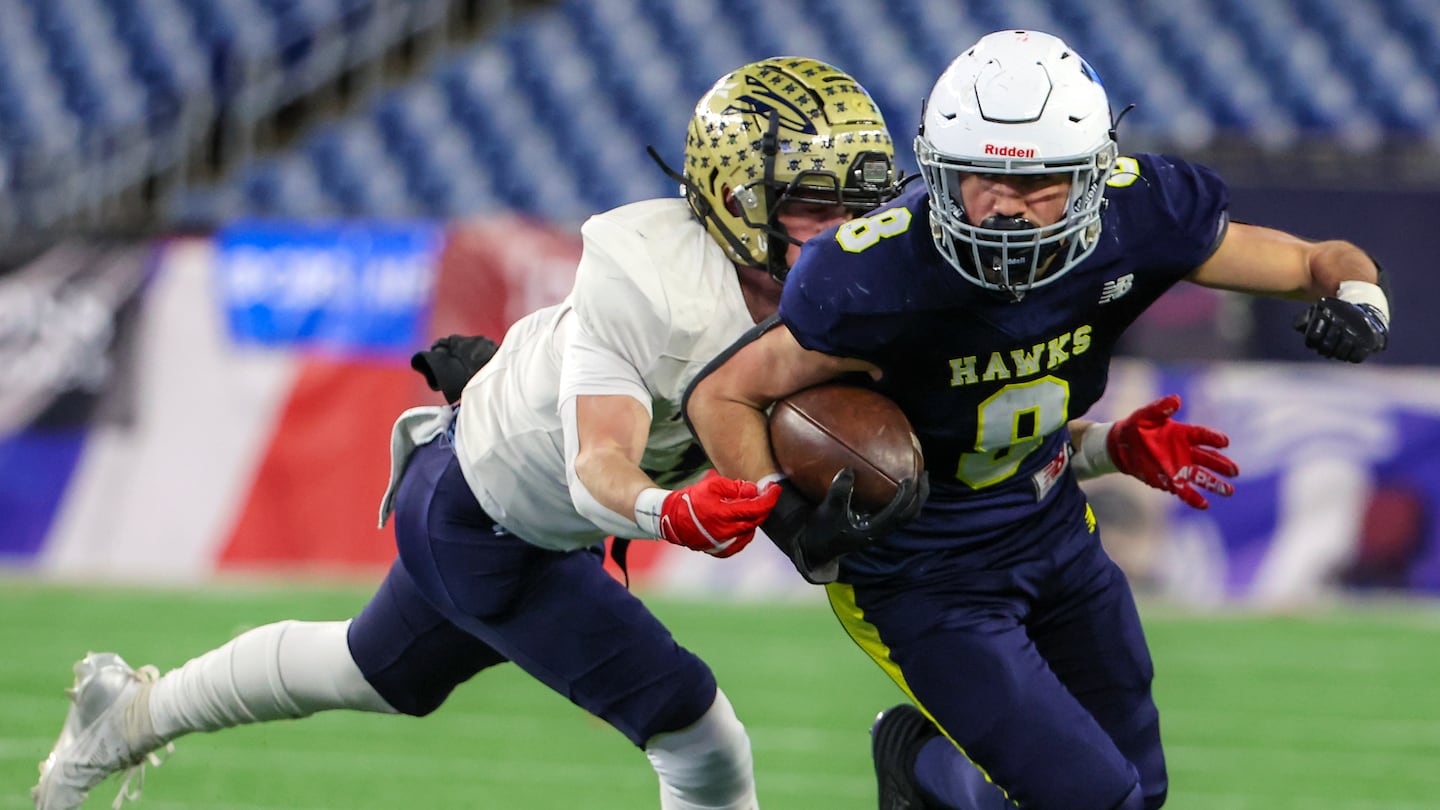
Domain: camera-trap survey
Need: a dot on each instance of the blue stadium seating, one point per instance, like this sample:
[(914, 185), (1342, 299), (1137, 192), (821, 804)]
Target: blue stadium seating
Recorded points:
[(550, 115), (84, 82)]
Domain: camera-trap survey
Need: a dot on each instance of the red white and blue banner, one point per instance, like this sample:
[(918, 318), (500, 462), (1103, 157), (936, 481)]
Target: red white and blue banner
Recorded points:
[(196, 407)]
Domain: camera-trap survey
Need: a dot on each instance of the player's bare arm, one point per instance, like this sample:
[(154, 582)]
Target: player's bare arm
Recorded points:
[(727, 406), (1265, 261), (716, 515), (612, 430), (1350, 317)]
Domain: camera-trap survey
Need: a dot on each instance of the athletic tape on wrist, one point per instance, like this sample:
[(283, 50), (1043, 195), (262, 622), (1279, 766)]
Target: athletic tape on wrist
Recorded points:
[(1363, 292), (1092, 458), (648, 505)]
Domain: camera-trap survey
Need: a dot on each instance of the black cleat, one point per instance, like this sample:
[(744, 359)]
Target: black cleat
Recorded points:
[(895, 741)]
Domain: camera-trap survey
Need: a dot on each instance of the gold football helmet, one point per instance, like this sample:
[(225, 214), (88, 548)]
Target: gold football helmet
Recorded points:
[(784, 128)]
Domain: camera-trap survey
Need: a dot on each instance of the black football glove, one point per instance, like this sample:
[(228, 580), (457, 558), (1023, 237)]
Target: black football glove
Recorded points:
[(816, 537), (452, 361), (1342, 330)]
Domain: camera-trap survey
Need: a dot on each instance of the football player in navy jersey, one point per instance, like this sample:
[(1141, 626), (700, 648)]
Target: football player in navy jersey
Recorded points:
[(987, 302)]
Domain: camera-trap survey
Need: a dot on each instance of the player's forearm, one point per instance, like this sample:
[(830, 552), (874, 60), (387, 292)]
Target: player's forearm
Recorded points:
[(605, 438), (1090, 458), (612, 479), (732, 431), (1079, 430), (1335, 262), (727, 406)]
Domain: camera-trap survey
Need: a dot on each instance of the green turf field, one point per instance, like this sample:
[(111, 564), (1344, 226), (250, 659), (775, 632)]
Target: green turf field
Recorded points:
[(1339, 711)]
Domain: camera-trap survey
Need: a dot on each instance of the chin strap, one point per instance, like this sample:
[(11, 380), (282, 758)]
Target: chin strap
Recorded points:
[(777, 236), (698, 203)]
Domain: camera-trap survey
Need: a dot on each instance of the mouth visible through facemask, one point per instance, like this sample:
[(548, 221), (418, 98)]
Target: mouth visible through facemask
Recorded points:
[(1008, 266)]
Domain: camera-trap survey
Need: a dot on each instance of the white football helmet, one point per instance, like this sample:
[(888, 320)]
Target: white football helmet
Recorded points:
[(1017, 102)]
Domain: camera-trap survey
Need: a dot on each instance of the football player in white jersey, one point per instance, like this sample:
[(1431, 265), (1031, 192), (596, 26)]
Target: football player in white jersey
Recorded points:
[(572, 432)]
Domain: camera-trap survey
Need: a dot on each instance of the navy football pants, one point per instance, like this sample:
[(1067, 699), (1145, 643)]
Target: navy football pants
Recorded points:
[(465, 595), (1033, 661)]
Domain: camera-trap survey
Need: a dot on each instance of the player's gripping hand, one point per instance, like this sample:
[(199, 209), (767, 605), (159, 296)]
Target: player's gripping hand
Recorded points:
[(451, 361), (1344, 330), (816, 537), (716, 515), (1171, 456)]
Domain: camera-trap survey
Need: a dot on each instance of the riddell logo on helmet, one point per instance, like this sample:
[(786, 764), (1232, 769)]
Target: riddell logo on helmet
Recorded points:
[(1010, 151)]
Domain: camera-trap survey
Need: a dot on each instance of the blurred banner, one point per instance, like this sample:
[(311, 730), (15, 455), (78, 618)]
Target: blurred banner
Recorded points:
[(353, 288), (67, 322), (1339, 483), (196, 407)]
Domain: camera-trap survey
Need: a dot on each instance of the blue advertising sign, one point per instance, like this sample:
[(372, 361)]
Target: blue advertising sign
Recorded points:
[(353, 288)]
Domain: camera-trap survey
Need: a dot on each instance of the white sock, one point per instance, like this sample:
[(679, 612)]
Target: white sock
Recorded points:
[(706, 766), (285, 670)]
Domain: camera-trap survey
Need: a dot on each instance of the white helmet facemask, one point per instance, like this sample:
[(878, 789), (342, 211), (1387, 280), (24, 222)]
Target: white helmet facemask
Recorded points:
[(1016, 103)]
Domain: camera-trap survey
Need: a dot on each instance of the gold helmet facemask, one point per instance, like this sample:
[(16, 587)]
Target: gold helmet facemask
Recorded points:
[(775, 131)]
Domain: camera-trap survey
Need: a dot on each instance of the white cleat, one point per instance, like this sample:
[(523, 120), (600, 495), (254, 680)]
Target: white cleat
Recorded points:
[(93, 743)]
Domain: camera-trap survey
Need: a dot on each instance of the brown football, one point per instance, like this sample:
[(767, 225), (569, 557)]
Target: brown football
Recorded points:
[(816, 432)]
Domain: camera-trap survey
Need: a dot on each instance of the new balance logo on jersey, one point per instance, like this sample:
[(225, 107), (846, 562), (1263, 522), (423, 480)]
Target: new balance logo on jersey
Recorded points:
[(1116, 288)]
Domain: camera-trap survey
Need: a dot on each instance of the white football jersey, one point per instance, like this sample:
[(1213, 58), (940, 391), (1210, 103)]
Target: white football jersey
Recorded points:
[(652, 289)]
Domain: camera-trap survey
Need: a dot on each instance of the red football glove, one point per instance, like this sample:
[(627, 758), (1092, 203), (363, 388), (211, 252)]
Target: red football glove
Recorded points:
[(716, 515), (1169, 455)]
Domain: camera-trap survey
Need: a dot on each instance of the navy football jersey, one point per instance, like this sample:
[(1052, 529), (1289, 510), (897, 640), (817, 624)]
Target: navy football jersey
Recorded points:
[(988, 383)]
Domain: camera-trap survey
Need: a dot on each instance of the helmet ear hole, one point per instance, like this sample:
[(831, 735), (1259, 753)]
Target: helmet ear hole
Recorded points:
[(746, 199), (731, 204)]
